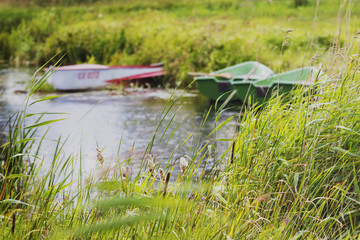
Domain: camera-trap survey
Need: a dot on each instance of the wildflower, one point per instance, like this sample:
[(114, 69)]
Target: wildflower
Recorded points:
[(286, 220)]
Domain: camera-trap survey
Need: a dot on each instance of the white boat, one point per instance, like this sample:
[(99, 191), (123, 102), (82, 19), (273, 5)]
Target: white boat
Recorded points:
[(93, 76)]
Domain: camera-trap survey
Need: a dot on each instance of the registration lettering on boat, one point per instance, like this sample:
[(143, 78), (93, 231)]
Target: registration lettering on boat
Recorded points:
[(88, 75)]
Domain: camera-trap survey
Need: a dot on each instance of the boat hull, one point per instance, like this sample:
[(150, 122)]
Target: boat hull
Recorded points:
[(244, 74), (92, 76), (284, 83)]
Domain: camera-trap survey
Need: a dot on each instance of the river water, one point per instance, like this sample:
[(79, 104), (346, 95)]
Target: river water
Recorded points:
[(120, 123)]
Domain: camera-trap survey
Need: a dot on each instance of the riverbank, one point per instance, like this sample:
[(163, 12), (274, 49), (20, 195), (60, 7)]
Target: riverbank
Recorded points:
[(185, 36)]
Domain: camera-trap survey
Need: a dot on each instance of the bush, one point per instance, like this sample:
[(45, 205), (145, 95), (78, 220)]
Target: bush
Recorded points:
[(299, 3)]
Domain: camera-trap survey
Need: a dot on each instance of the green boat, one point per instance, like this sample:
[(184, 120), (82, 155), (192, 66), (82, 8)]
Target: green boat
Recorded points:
[(283, 83), (220, 84), (253, 82)]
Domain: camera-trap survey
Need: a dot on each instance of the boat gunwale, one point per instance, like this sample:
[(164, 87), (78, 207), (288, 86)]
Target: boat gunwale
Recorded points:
[(100, 67)]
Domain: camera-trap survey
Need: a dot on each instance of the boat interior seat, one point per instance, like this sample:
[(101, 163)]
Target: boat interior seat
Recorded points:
[(247, 77)]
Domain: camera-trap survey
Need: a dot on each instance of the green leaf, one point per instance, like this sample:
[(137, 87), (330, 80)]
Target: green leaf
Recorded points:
[(347, 129), (339, 149), (14, 201), (224, 140), (12, 176), (57, 188), (109, 185), (44, 123), (138, 202), (226, 101), (220, 126), (296, 179), (315, 121), (44, 113), (46, 98), (18, 155), (356, 183), (114, 224), (25, 140)]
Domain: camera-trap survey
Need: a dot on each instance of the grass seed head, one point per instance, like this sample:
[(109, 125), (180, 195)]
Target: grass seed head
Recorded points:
[(357, 35), (151, 165), (100, 157), (150, 162), (287, 36), (263, 198), (183, 164), (124, 172), (166, 183), (161, 173)]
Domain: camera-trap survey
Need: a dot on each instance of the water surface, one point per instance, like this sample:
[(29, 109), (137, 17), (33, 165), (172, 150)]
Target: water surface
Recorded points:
[(120, 123)]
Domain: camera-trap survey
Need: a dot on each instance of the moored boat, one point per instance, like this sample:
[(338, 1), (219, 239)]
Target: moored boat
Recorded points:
[(253, 82), (93, 76), (218, 86)]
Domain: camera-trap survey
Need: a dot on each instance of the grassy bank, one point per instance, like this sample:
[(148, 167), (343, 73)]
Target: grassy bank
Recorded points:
[(184, 35)]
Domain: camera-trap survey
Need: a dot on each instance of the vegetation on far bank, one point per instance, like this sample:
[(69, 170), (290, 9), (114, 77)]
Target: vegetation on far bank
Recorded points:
[(184, 35)]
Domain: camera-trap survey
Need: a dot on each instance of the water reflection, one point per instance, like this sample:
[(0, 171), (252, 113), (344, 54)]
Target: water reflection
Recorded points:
[(105, 118)]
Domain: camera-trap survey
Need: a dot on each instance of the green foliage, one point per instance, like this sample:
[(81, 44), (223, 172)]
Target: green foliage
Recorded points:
[(10, 18), (298, 3), (300, 159), (4, 46)]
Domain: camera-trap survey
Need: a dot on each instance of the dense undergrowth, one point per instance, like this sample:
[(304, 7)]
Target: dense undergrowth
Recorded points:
[(184, 35)]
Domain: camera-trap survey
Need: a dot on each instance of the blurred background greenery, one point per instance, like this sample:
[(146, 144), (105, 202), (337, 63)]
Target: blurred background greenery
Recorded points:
[(185, 35)]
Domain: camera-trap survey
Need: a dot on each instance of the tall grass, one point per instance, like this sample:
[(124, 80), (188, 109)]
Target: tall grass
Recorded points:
[(27, 195), (291, 172)]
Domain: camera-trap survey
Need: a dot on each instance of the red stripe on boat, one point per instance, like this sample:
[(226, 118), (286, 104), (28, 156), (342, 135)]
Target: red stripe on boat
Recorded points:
[(139, 76), (135, 66)]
